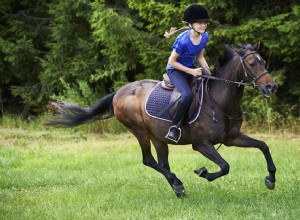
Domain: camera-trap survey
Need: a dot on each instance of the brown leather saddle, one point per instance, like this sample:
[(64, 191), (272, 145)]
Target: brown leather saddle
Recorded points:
[(175, 96)]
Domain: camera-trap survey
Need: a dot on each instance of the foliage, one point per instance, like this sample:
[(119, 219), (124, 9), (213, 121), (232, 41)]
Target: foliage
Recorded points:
[(81, 50), (73, 56), (21, 41), (118, 38)]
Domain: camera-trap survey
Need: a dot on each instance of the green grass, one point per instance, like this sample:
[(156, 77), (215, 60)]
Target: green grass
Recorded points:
[(69, 174)]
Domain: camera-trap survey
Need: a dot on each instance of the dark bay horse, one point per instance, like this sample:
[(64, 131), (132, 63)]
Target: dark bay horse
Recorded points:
[(219, 122)]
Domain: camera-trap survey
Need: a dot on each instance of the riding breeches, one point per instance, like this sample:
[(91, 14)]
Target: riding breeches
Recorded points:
[(181, 82)]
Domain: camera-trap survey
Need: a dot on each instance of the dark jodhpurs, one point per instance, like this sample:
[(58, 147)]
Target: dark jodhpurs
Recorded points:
[(181, 82)]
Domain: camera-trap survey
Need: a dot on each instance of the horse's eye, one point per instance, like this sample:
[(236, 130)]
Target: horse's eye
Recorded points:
[(252, 63)]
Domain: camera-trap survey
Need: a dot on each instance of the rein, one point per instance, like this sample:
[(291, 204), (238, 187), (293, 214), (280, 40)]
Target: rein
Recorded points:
[(246, 71), (229, 81)]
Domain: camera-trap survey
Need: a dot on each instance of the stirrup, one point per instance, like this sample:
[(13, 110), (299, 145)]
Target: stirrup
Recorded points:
[(173, 137)]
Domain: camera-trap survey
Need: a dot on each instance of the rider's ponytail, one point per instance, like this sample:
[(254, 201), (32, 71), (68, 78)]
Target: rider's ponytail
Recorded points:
[(173, 30)]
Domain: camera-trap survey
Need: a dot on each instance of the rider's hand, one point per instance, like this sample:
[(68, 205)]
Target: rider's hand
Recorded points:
[(208, 71), (196, 72)]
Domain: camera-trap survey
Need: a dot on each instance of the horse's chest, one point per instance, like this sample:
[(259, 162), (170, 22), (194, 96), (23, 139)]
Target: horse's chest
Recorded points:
[(222, 129), (218, 133)]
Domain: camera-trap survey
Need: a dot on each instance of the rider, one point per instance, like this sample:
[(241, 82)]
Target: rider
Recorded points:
[(187, 47)]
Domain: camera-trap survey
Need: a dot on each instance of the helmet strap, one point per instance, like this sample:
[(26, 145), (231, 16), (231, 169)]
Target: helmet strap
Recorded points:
[(193, 28)]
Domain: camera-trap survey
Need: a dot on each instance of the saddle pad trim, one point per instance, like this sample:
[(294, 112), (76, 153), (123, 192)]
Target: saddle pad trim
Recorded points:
[(200, 104)]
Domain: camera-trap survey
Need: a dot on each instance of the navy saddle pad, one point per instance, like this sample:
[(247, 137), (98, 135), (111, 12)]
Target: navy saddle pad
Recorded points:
[(158, 102)]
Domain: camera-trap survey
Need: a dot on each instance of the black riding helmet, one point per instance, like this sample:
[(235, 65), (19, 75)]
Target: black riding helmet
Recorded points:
[(195, 13)]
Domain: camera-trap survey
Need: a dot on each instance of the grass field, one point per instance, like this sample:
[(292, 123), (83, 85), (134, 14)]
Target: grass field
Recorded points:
[(66, 174)]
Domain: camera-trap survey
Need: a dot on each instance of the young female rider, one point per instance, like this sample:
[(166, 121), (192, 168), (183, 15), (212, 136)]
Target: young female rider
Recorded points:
[(187, 47)]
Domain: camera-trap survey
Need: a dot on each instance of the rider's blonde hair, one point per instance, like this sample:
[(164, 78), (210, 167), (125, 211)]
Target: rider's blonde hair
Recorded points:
[(174, 30)]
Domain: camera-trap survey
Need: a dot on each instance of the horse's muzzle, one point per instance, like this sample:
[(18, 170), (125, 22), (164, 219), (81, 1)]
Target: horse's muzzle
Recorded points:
[(268, 89)]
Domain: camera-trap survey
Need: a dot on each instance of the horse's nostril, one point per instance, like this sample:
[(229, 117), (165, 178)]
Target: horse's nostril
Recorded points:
[(271, 87), (268, 87)]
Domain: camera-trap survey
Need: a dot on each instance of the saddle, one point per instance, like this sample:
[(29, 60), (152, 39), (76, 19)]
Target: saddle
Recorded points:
[(175, 96)]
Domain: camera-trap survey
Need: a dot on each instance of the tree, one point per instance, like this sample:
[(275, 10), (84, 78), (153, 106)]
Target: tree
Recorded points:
[(21, 41)]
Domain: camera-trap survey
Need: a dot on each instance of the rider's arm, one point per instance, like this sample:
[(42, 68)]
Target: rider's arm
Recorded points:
[(202, 62), (173, 62)]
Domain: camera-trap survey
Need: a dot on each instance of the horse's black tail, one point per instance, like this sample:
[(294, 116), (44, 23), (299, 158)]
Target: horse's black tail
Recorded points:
[(71, 115)]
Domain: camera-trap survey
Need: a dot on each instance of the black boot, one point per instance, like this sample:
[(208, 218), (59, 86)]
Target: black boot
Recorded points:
[(174, 133)]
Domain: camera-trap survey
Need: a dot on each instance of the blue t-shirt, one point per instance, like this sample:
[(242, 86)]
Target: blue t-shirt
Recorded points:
[(186, 49)]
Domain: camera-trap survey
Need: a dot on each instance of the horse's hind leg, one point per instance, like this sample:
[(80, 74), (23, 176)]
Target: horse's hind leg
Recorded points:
[(163, 166), (211, 153), (162, 152), (242, 140)]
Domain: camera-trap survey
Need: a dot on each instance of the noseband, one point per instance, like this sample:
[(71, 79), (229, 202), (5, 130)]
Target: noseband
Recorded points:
[(246, 70)]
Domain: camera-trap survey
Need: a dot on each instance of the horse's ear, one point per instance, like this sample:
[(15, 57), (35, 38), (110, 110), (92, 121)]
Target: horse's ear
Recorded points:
[(256, 46), (234, 49), (228, 47), (229, 52)]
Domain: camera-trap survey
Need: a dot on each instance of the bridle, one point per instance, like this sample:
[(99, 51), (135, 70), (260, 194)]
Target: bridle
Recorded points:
[(246, 70)]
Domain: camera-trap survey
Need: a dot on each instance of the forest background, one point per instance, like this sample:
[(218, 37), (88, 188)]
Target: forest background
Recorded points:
[(81, 50)]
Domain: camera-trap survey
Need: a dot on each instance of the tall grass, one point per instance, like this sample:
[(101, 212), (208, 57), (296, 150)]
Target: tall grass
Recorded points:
[(71, 174)]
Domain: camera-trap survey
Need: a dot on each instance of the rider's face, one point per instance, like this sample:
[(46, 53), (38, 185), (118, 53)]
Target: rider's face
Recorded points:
[(200, 26)]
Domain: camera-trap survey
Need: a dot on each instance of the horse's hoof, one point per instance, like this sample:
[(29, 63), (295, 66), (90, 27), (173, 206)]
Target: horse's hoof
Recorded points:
[(269, 184), (201, 172), (179, 191)]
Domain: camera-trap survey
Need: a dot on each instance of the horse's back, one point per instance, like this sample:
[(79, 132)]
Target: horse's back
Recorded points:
[(130, 100), (136, 90)]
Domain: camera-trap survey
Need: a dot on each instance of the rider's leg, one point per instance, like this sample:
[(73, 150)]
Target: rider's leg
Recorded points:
[(180, 81)]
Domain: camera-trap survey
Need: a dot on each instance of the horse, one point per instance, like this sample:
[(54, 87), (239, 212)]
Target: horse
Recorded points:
[(219, 122)]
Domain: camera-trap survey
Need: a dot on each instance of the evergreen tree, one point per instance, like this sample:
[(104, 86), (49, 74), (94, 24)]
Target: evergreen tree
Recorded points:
[(22, 37)]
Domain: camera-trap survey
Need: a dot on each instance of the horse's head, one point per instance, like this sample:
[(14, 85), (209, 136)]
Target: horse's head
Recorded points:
[(254, 69)]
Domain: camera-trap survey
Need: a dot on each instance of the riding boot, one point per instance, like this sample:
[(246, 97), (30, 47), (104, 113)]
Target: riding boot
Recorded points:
[(174, 132)]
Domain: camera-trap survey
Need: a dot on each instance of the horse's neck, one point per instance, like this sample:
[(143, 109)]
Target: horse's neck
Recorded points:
[(227, 95)]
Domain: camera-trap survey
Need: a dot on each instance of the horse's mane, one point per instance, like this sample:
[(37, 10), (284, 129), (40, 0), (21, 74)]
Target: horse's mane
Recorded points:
[(230, 59)]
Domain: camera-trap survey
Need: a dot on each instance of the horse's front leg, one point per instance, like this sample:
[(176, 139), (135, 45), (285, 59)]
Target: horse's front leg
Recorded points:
[(242, 140), (211, 153)]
